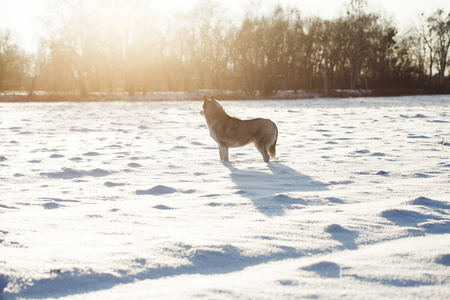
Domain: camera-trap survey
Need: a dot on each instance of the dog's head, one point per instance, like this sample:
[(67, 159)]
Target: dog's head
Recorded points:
[(210, 106)]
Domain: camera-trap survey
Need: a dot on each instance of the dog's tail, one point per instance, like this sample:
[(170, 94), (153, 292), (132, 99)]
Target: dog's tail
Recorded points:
[(272, 149)]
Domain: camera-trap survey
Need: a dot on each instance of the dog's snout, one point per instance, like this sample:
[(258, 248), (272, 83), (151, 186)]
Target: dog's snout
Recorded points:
[(202, 112)]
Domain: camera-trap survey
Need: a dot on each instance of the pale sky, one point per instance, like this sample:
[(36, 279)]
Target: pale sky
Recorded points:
[(25, 17)]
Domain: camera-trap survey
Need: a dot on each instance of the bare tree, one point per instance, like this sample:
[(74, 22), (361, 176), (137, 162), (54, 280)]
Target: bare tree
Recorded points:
[(246, 56), (295, 35), (428, 38), (9, 59), (357, 30), (383, 52), (439, 27), (260, 53), (71, 40), (37, 64), (275, 51)]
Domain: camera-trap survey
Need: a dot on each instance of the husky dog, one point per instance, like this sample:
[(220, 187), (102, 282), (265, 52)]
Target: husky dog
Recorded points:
[(229, 132)]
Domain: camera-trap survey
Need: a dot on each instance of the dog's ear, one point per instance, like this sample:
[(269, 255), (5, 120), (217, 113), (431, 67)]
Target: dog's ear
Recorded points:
[(204, 98), (212, 98)]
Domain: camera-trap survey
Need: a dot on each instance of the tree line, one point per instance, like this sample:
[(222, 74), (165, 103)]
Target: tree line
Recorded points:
[(118, 46)]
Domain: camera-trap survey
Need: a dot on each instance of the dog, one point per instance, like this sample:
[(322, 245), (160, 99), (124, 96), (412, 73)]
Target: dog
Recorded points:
[(230, 132)]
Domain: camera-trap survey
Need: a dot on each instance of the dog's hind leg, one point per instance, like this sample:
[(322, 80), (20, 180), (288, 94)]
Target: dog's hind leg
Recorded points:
[(272, 150), (263, 150)]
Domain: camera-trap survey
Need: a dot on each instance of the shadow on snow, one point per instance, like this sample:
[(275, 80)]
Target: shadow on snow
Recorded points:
[(213, 260), (267, 190)]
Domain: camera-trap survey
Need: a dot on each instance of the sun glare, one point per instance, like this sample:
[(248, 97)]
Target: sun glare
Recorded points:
[(24, 18)]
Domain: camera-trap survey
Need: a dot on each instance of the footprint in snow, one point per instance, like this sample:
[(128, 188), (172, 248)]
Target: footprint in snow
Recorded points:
[(162, 207), (382, 173), (420, 175), (113, 184), (7, 207), (362, 151), (335, 200), (134, 165), (51, 205), (325, 269), (413, 136), (91, 153), (288, 201), (378, 154), (68, 173), (420, 116), (443, 260), (163, 190), (438, 121), (288, 282)]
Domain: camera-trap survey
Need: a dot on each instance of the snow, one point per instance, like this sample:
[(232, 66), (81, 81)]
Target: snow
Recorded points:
[(119, 200)]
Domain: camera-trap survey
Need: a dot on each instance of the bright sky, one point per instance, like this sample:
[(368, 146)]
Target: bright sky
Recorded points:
[(25, 17)]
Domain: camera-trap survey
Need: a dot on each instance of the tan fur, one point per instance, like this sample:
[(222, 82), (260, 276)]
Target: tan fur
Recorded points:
[(229, 132)]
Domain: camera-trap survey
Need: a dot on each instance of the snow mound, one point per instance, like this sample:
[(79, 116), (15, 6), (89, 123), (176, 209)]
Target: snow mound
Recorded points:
[(424, 201), (157, 191), (403, 217), (345, 236)]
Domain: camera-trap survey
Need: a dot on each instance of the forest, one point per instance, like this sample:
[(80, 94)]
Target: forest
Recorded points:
[(117, 47)]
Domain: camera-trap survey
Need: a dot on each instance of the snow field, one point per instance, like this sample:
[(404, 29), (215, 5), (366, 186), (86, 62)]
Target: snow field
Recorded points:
[(129, 199)]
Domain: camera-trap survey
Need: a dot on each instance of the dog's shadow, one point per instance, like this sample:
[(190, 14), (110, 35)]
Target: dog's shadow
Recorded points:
[(267, 188)]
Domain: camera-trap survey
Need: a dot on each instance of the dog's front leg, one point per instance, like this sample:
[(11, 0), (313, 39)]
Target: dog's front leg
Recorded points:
[(223, 153), (220, 152)]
